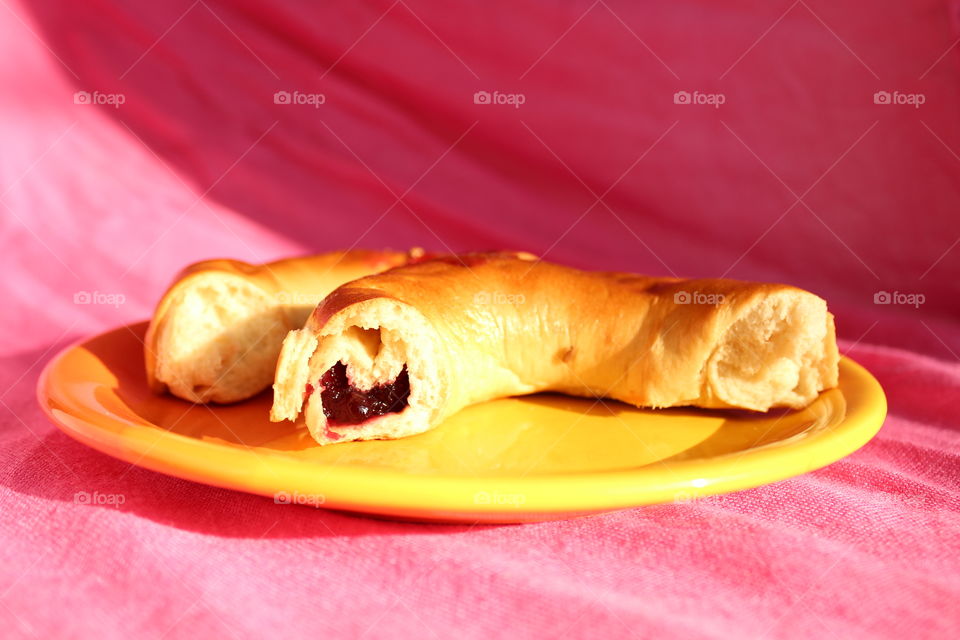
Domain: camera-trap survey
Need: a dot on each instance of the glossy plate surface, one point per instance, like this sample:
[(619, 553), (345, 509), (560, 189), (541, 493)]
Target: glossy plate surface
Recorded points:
[(514, 460)]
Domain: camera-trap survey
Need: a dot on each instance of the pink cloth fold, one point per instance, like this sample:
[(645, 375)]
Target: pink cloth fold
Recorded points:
[(812, 143)]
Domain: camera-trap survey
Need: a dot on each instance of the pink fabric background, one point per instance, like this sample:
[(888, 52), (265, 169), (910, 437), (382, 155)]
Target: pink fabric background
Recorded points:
[(797, 177)]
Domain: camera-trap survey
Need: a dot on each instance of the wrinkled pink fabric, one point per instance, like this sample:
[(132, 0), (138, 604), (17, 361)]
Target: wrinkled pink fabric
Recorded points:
[(799, 176)]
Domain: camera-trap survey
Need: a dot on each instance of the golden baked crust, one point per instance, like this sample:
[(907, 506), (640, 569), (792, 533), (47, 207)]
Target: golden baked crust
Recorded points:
[(481, 326), (217, 331)]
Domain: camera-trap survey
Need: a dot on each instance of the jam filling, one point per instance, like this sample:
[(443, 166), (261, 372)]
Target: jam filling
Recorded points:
[(344, 404)]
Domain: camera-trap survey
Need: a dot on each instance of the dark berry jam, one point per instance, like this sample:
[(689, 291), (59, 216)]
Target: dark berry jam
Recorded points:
[(344, 404)]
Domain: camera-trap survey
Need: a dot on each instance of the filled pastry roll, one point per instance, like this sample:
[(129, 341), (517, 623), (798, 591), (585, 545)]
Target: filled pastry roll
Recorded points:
[(394, 354), (216, 333)]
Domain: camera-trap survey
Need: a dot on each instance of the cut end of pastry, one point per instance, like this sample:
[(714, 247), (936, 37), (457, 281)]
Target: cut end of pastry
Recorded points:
[(215, 339), (779, 352), (217, 332), (371, 373)]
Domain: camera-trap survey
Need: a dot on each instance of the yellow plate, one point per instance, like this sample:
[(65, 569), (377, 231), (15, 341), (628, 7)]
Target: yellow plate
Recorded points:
[(514, 460)]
